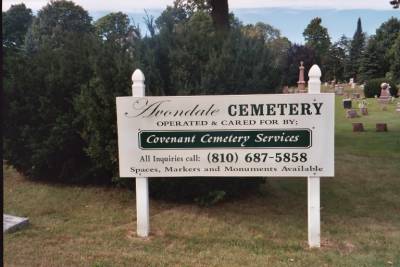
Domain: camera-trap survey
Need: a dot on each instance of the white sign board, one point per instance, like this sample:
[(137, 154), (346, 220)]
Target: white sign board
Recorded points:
[(226, 135)]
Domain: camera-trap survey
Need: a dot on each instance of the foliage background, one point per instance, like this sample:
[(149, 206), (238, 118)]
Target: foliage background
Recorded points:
[(62, 72)]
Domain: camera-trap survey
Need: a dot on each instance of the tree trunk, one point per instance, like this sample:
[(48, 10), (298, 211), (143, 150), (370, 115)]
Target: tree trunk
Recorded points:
[(220, 14)]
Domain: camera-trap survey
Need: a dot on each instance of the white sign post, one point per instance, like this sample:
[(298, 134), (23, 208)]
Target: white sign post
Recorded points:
[(142, 183), (313, 182), (227, 135)]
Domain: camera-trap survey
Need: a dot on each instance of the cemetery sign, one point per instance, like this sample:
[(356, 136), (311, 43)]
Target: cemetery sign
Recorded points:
[(226, 135)]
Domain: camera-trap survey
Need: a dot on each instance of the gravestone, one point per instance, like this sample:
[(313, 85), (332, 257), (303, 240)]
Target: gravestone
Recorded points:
[(385, 96), (338, 90), (358, 127), (301, 84), (364, 111), (381, 127), (363, 107), (347, 103), (351, 113), (13, 223), (351, 83)]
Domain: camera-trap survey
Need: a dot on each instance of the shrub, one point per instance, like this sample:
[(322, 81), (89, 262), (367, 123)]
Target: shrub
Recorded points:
[(205, 191), (373, 87), (185, 57), (112, 64), (197, 60), (60, 117), (42, 138)]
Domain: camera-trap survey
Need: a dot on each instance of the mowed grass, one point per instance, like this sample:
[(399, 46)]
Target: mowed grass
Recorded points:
[(94, 226)]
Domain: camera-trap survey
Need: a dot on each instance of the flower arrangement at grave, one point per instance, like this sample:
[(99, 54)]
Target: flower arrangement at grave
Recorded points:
[(362, 105)]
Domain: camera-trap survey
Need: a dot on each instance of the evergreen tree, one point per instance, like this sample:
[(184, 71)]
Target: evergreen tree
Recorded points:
[(395, 56), (335, 62), (356, 51), (187, 57), (113, 62), (15, 23), (57, 65), (379, 56), (344, 46), (370, 67), (16, 74), (192, 58), (386, 36)]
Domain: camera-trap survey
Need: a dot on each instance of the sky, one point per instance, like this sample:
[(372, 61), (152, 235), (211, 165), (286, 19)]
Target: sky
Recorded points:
[(289, 16), (133, 5)]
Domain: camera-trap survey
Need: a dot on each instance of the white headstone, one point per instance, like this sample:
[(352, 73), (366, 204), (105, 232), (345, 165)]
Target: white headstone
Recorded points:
[(13, 223)]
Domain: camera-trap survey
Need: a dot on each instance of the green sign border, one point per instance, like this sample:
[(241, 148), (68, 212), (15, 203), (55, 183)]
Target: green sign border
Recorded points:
[(224, 131)]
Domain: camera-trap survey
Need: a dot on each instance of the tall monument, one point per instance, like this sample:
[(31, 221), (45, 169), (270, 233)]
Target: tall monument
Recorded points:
[(301, 84)]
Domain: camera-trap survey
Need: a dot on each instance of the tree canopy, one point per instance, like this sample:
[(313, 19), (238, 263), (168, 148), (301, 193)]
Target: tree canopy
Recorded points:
[(15, 23), (218, 9), (317, 37), (395, 3)]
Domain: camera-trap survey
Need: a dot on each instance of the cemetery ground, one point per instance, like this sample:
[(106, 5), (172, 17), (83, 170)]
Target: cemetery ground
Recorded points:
[(96, 226)]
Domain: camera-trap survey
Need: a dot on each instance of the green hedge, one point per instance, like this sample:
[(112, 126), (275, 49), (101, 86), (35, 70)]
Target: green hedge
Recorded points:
[(373, 87), (60, 90)]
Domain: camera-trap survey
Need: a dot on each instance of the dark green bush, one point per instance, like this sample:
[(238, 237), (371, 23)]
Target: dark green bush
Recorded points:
[(42, 137), (198, 60), (203, 190), (186, 57), (112, 64), (60, 90), (373, 87)]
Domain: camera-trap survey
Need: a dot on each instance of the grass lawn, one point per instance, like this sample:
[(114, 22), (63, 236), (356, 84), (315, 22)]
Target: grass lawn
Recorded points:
[(94, 226)]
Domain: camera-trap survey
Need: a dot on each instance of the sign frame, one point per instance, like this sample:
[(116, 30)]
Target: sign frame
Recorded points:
[(313, 182)]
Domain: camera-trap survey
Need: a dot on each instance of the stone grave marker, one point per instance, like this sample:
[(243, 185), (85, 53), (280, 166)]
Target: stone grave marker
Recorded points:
[(301, 84), (347, 103), (12, 223), (351, 113), (338, 90), (351, 83), (363, 107), (358, 127), (385, 96), (381, 127)]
